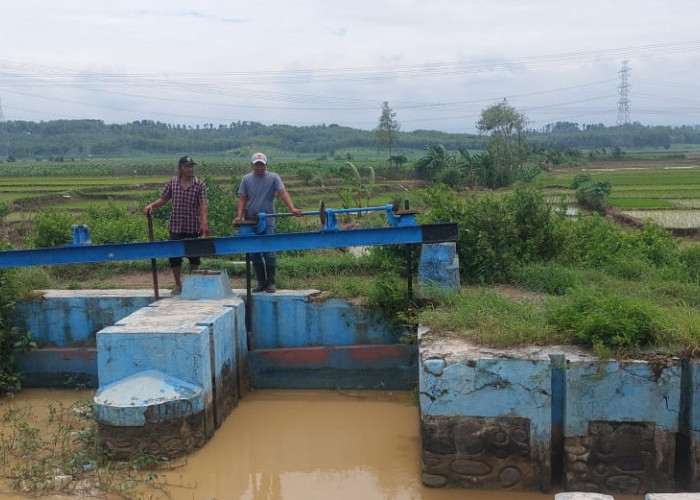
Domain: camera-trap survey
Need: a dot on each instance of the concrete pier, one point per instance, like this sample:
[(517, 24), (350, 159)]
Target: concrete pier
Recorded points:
[(170, 373)]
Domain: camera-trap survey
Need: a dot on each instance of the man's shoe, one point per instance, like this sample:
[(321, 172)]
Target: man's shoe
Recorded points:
[(176, 291), (271, 288), (260, 288)]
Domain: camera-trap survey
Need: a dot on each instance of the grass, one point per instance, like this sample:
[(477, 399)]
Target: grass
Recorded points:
[(484, 316), (53, 449)]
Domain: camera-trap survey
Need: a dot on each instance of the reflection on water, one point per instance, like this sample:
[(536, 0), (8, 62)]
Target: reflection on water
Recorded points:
[(311, 445)]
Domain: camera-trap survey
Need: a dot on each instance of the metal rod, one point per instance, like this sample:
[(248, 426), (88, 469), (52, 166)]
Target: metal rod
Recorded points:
[(290, 214), (75, 254), (248, 302), (154, 267), (409, 286)]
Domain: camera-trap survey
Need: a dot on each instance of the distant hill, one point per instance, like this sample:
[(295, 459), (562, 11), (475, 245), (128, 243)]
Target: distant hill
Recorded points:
[(80, 138)]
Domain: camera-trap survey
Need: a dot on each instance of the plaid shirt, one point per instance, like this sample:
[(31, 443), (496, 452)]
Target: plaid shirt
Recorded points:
[(184, 215)]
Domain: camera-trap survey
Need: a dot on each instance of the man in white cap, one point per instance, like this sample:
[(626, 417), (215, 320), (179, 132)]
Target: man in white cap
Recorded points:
[(257, 194)]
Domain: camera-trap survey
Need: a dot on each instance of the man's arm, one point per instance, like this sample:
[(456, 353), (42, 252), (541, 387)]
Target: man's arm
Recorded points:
[(288, 201), (158, 203), (241, 207), (204, 227)]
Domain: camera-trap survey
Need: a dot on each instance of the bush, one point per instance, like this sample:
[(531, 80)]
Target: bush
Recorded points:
[(389, 296), (690, 258), (495, 233), (605, 319), (114, 224), (12, 341), (52, 228), (591, 193)]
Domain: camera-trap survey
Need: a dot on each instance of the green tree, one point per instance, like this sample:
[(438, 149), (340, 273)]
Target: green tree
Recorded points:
[(436, 159), (388, 129), (357, 190), (507, 144)]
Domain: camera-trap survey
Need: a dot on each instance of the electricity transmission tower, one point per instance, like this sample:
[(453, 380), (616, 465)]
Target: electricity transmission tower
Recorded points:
[(623, 105)]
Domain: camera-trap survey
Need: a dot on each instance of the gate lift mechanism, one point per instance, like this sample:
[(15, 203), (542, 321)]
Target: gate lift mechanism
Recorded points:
[(402, 229)]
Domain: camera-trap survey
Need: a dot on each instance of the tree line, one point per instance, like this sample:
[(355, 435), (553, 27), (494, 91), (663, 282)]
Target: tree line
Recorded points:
[(79, 138)]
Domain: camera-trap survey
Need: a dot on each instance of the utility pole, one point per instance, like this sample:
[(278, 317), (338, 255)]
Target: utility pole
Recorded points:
[(623, 105)]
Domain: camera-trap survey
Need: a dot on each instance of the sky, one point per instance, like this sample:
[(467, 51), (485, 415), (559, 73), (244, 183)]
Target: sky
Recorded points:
[(438, 63)]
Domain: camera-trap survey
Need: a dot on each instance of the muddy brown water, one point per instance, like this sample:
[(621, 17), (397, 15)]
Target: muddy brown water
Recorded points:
[(305, 445)]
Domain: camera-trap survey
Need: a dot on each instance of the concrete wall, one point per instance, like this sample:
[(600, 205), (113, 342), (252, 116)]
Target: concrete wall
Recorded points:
[(523, 418)]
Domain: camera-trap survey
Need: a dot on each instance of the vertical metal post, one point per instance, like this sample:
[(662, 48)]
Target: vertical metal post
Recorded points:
[(248, 300), (409, 287), (154, 267)]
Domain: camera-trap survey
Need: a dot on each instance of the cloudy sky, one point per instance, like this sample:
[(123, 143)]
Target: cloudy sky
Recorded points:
[(438, 63)]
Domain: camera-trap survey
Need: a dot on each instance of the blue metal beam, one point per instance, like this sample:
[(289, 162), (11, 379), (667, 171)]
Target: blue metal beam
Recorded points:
[(76, 254)]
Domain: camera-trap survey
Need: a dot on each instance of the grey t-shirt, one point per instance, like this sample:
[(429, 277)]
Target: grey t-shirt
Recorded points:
[(260, 193)]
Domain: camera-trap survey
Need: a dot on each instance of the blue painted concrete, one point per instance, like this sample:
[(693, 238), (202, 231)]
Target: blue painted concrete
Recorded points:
[(391, 366), (692, 413), (629, 391), (484, 383), (438, 268), (206, 286), (70, 318), (59, 367), (294, 319), (124, 403)]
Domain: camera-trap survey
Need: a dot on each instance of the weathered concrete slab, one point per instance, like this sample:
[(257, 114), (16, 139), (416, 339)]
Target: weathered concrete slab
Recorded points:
[(302, 318), (620, 425), (195, 343), (71, 318), (691, 426), (486, 416)]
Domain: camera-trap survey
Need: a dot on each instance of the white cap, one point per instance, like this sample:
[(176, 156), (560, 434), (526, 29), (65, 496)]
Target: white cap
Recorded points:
[(259, 158)]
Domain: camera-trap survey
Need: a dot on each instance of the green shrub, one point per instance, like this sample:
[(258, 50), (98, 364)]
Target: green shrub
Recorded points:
[(389, 295), (607, 319), (496, 232), (591, 193), (52, 228), (115, 224), (12, 341), (689, 257)]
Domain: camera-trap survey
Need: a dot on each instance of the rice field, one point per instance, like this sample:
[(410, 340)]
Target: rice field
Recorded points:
[(671, 219), (668, 194)]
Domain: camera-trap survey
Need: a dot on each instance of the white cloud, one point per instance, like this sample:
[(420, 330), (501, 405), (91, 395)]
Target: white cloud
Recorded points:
[(438, 63)]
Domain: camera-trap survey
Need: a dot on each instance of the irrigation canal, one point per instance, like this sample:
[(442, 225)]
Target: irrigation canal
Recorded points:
[(304, 445)]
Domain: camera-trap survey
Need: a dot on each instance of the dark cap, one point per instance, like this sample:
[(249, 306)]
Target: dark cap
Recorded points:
[(185, 160)]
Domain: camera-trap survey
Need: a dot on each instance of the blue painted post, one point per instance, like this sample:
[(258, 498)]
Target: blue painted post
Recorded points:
[(438, 268)]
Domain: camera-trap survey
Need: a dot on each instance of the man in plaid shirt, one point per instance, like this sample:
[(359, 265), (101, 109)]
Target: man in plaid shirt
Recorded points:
[(188, 215)]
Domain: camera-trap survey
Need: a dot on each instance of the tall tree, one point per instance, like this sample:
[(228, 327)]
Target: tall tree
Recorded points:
[(388, 129), (507, 143)]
